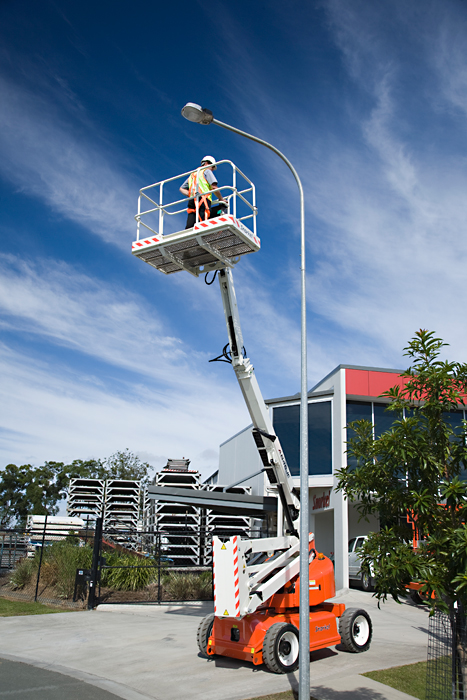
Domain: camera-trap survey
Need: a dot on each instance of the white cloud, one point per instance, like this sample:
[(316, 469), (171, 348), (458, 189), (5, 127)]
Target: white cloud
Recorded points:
[(99, 319), (64, 416), (386, 205), (397, 213), (135, 385)]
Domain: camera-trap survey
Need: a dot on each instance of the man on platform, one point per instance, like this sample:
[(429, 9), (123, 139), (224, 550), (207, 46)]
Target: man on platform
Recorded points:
[(199, 187)]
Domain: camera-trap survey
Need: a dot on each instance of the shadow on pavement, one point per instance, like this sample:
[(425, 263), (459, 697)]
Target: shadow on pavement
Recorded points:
[(195, 610), (325, 693), (24, 682)]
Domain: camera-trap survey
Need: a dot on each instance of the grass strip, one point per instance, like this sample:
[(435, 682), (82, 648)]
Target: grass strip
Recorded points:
[(10, 608), (285, 695), (409, 679)]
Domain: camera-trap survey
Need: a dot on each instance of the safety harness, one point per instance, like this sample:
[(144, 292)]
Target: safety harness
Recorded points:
[(199, 186)]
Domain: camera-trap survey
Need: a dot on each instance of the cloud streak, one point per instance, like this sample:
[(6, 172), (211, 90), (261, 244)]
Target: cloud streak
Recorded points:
[(386, 202), (64, 415), (101, 365), (45, 155)]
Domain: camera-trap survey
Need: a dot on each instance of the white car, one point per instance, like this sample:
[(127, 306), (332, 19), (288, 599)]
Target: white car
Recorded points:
[(365, 579)]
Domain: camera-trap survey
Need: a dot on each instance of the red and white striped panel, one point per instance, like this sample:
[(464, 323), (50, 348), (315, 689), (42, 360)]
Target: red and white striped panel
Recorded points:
[(214, 578), (236, 578), (227, 219), (226, 555), (138, 245)]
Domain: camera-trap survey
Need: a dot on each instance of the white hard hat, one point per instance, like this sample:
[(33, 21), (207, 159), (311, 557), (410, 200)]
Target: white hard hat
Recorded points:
[(209, 159)]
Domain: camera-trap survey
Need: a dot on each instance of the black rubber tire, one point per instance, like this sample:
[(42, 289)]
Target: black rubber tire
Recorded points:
[(356, 630), (366, 582), (203, 634), (418, 598), (280, 648)]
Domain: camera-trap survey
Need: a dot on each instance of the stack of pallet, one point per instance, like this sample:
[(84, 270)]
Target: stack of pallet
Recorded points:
[(122, 504), (179, 525), (86, 498)]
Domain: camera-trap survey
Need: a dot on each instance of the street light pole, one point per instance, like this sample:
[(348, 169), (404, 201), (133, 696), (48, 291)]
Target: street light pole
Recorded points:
[(200, 115)]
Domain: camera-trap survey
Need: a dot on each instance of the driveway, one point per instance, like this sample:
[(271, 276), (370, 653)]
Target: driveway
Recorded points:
[(141, 652)]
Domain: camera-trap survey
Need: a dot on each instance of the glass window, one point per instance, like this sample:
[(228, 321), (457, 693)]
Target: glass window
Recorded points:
[(351, 544), (356, 410), (319, 438), (454, 418), (383, 419), (286, 421)]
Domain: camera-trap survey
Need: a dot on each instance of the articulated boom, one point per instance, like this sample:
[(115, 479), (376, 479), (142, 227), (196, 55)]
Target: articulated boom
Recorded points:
[(249, 572), (266, 440)]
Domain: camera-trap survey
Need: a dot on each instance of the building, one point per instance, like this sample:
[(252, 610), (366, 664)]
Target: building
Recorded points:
[(348, 393)]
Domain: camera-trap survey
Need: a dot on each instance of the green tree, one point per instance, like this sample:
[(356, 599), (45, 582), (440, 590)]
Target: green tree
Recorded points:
[(28, 490), (125, 465), (414, 470)]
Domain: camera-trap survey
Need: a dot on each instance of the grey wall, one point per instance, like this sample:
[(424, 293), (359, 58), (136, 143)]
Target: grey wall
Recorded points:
[(239, 457), (361, 527)]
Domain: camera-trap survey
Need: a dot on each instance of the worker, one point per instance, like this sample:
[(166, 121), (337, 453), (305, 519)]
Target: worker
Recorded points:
[(201, 182)]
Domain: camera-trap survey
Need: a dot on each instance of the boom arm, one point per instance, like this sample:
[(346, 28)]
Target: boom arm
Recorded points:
[(266, 440)]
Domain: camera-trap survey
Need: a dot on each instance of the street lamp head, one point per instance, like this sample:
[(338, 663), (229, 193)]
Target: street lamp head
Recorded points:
[(196, 113)]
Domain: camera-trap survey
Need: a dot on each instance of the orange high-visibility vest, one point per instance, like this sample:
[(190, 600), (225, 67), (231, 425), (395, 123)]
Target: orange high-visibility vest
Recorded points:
[(198, 185)]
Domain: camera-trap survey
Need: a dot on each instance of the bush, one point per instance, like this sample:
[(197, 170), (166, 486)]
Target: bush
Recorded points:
[(23, 573), (59, 564), (180, 586), (205, 585), (131, 573)]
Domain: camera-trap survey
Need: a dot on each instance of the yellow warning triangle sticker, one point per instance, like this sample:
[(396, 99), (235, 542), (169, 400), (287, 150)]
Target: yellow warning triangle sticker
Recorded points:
[(223, 547), (226, 613)]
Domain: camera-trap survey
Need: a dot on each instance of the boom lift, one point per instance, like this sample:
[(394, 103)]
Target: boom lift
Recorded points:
[(256, 581)]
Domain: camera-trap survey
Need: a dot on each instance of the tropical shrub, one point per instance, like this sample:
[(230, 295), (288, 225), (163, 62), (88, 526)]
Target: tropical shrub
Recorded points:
[(24, 572), (60, 561), (188, 586), (131, 573)]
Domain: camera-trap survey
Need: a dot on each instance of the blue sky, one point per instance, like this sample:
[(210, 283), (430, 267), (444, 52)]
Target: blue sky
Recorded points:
[(99, 352)]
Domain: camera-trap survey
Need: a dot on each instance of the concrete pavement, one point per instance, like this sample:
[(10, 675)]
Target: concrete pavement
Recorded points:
[(150, 652)]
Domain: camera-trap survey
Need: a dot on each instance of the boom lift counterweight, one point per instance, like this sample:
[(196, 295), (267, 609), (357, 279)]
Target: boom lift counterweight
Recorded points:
[(257, 581)]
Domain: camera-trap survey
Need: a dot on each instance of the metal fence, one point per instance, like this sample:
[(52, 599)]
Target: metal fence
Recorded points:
[(153, 566), (446, 667), (44, 568), (92, 567), (12, 548)]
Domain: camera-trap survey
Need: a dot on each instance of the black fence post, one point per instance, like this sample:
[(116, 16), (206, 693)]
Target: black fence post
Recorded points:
[(158, 546), (452, 616), (40, 559), (96, 554)]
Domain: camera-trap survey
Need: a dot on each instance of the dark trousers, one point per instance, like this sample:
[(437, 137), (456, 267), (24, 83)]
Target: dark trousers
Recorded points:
[(191, 219)]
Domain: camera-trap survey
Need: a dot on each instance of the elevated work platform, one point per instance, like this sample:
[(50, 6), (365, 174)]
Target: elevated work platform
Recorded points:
[(211, 244)]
